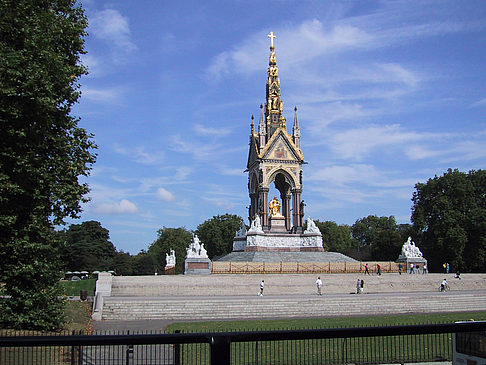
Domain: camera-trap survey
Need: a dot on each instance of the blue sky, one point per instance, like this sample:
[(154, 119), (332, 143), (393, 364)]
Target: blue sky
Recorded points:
[(389, 93)]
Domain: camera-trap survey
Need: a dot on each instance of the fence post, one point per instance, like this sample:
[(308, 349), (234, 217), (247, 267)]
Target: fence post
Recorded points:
[(220, 350), (128, 351), (73, 353), (177, 351)]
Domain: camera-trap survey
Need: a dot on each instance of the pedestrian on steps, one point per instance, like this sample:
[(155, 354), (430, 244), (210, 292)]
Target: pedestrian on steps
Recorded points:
[(319, 285), (262, 286)]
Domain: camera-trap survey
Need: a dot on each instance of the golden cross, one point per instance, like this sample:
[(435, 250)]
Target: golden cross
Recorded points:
[(271, 36)]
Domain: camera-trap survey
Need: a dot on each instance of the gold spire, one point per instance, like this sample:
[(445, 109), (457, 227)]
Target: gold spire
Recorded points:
[(274, 104), (271, 36)]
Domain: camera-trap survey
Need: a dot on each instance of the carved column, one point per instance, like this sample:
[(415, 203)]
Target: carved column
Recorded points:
[(286, 210), (297, 217), (264, 208), (253, 206)]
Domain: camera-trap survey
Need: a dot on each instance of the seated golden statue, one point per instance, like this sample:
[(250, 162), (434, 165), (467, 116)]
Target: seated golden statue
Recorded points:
[(274, 206)]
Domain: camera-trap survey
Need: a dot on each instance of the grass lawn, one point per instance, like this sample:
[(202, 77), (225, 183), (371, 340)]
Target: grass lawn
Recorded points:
[(393, 349), (324, 322), (72, 288)]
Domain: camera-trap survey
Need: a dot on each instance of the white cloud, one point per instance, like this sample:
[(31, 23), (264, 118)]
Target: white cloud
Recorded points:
[(101, 95), (359, 142), (112, 27), (343, 174), (420, 152), (122, 207), (200, 151), (203, 130), (479, 104), (182, 172), (165, 195), (294, 44), (140, 155)]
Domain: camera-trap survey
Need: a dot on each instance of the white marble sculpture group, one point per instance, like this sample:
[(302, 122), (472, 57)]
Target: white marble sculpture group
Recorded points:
[(170, 260), (409, 250), (196, 249)]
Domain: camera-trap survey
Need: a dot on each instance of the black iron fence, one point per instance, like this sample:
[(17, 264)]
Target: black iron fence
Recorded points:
[(362, 345)]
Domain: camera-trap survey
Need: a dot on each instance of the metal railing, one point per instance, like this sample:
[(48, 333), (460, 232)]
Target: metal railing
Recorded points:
[(361, 345)]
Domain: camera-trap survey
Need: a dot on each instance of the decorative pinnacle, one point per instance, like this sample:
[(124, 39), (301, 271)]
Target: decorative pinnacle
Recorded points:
[(271, 36)]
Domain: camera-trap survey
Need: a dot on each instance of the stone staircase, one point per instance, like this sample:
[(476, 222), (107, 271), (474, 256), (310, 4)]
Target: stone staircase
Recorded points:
[(223, 308), (222, 297)]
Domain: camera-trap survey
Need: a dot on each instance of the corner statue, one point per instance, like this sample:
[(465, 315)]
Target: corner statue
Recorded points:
[(274, 206)]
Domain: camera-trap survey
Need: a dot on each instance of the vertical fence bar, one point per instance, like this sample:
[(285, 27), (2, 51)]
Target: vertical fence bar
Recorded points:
[(177, 351)]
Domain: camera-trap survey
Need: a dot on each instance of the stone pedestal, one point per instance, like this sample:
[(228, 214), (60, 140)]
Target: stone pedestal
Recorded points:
[(283, 242), (197, 266), (277, 224), (418, 264)]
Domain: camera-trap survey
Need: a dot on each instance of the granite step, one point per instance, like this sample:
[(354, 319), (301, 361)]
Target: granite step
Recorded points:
[(213, 308)]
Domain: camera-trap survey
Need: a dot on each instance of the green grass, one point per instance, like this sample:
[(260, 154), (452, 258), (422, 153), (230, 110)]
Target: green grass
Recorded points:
[(395, 349), (72, 288), (324, 322)]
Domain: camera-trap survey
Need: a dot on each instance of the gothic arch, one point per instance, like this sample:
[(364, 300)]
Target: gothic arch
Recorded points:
[(288, 178)]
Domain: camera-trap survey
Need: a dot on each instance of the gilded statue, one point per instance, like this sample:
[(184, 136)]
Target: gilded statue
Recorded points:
[(274, 206)]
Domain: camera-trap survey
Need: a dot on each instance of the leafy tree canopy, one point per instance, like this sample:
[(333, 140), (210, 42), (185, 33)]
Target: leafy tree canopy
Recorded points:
[(380, 234), (42, 154), (177, 239), (88, 247), (337, 238), (450, 213), (218, 232), (143, 264)]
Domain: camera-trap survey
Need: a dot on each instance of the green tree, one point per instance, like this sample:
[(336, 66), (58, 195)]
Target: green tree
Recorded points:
[(88, 247), (380, 235), (450, 213), (42, 154), (144, 264), (218, 232), (123, 263), (177, 239), (337, 238)]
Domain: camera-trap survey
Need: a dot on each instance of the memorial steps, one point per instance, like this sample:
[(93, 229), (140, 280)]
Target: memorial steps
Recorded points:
[(220, 297), (214, 308)]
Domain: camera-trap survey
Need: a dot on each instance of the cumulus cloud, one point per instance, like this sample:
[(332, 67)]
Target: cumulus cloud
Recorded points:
[(165, 195), (109, 25), (122, 207)]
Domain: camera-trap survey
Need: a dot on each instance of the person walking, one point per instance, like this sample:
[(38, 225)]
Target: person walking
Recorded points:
[(362, 286), (424, 269), (358, 286), (400, 267), (447, 268), (319, 285), (378, 269), (367, 271), (262, 286)]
